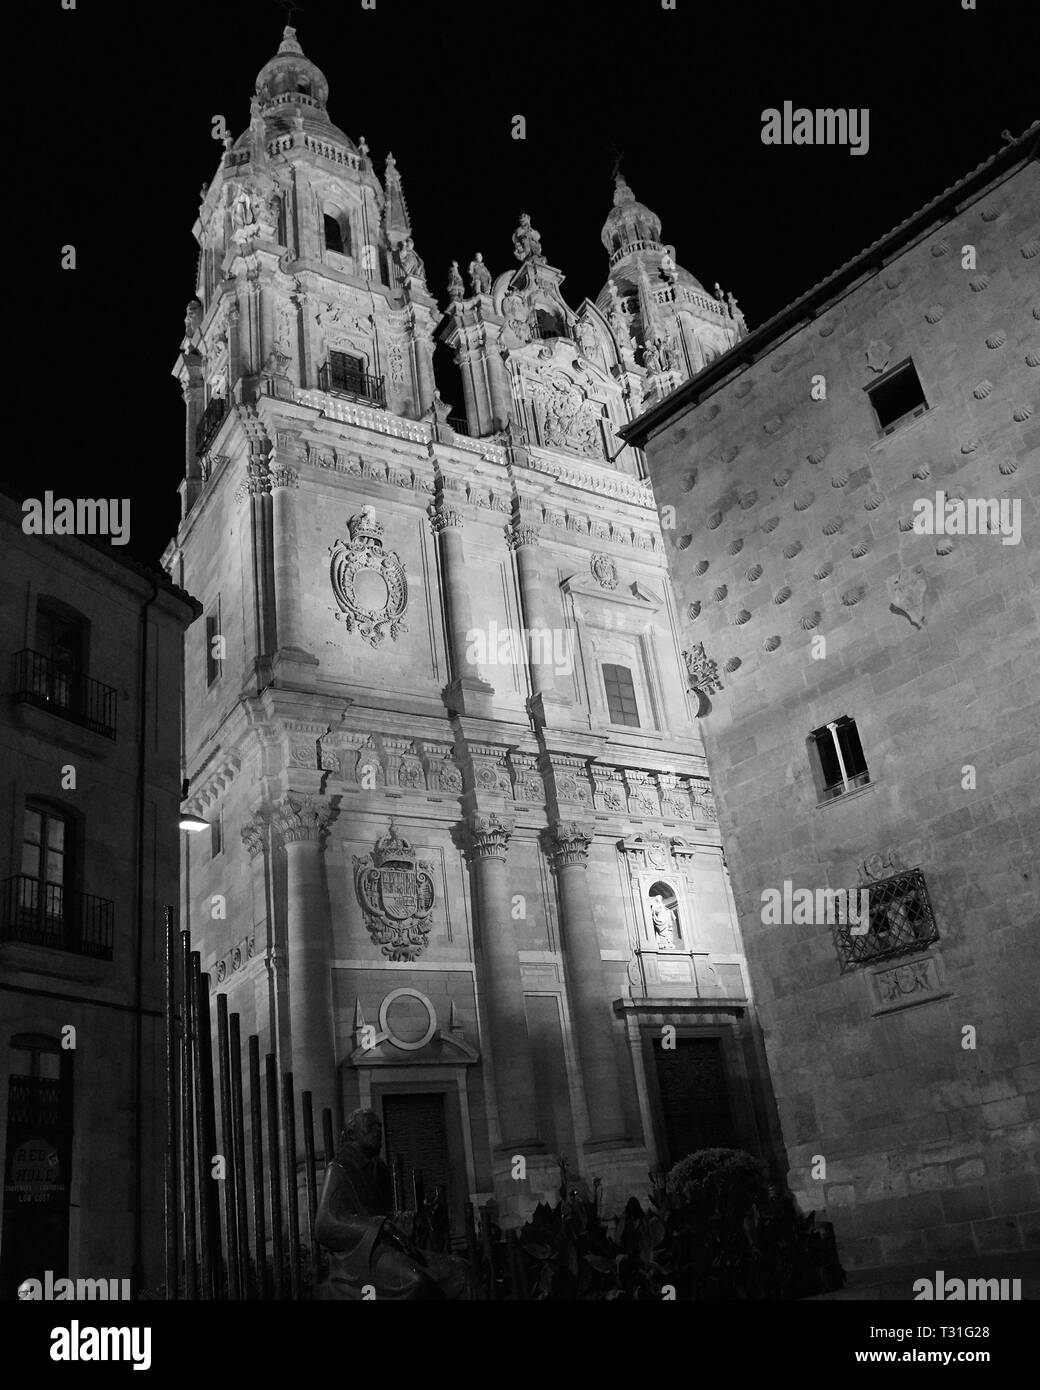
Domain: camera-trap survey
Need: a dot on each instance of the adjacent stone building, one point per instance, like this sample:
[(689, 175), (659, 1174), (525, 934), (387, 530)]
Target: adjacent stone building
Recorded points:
[(854, 560), (89, 762), (464, 863)]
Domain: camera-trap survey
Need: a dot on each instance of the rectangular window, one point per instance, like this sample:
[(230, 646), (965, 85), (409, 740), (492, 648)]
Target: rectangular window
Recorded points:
[(216, 835), (621, 695), (346, 372), (837, 758), (897, 397), (214, 645)]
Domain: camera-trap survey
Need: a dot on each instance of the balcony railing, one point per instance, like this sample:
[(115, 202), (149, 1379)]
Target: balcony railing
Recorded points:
[(458, 423), (354, 386), (901, 921), (42, 682), (46, 914), (212, 419)]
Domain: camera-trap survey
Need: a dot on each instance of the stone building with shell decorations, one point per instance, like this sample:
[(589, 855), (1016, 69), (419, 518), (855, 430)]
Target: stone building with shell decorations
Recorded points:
[(464, 865), (855, 561)]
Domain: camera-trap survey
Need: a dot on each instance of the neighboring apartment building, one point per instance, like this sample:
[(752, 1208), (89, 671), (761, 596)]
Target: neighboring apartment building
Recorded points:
[(855, 562), (464, 865), (89, 766)]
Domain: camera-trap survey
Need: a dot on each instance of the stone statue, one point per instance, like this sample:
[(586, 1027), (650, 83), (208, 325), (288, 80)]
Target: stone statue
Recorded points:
[(479, 275), (587, 339), (366, 1247), (244, 209), (669, 269), (526, 241), (664, 922), (652, 357), (718, 293), (456, 289), (736, 315), (410, 260)]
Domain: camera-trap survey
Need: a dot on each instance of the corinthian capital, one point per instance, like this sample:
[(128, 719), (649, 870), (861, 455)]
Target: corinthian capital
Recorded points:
[(570, 842), (253, 835), (488, 835), (443, 517), (520, 534), (300, 818)]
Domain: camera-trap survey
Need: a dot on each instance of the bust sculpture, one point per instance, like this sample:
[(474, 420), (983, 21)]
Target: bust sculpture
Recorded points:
[(367, 1249)]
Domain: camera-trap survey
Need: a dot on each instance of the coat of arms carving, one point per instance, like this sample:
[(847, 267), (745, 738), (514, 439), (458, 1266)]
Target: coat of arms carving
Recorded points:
[(368, 583), (396, 893)]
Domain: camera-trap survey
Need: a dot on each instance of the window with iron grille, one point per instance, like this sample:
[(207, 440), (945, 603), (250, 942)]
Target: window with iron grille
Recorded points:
[(347, 372), (837, 758), (896, 397), (900, 921), (621, 695)]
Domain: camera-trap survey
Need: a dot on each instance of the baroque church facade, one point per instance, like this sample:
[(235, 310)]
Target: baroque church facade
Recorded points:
[(464, 864)]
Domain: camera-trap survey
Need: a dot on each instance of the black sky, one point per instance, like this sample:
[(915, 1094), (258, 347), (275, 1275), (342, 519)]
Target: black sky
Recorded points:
[(121, 141)]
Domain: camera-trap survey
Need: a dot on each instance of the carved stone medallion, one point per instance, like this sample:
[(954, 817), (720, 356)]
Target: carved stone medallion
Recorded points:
[(368, 583), (396, 893)]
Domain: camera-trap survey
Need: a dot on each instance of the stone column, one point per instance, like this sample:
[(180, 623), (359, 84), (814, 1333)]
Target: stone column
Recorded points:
[(590, 1000), (544, 640), (470, 693), (301, 823), (503, 986)]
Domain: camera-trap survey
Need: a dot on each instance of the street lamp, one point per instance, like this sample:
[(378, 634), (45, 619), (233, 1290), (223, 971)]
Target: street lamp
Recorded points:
[(193, 824)]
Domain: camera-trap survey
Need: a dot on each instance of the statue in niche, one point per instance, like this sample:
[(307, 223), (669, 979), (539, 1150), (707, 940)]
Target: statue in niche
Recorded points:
[(410, 261), (526, 241), (652, 357), (515, 311), (479, 275), (364, 1237), (663, 918), (245, 209), (456, 289), (587, 339)]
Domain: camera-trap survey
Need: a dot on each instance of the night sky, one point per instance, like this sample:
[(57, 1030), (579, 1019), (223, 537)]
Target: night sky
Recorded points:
[(121, 141)]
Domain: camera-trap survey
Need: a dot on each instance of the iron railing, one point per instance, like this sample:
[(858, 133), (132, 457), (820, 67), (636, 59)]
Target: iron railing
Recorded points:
[(41, 681), (38, 1100), (901, 921), (212, 419), (48, 914), (458, 423), (355, 386)]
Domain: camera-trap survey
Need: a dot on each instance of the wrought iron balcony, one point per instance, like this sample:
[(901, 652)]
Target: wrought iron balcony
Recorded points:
[(354, 386), (45, 683), (900, 917), (46, 914), (212, 419), (458, 423)]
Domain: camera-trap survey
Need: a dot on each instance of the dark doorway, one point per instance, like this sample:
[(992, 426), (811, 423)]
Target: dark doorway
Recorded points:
[(695, 1109), (415, 1131), (36, 1164)]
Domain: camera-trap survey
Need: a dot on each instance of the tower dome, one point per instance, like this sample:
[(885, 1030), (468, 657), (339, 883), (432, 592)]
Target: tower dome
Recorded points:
[(291, 78)]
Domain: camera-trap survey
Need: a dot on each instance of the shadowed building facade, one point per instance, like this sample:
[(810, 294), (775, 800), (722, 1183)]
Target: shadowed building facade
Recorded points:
[(464, 865)]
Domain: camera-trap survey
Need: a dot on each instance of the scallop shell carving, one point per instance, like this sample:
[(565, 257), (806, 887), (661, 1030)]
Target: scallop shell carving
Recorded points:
[(940, 248), (778, 364), (978, 284), (922, 471), (748, 500), (817, 456), (711, 412), (1008, 466), (955, 494), (728, 455), (982, 390), (934, 313), (808, 621), (782, 595), (771, 426), (996, 340), (827, 330), (893, 281), (852, 596), (743, 389), (873, 502), (790, 551), (969, 446), (733, 664), (684, 542), (782, 478), (1033, 359), (944, 547), (771, 643), (906, 523), (742, 617), (770, 525), (735, 547), (755, 572), (689, 481), (1036, 311), (714, 521), (1031, 249), (859, 550), (832, 527), (694, 611), (823, 571), (720, 593), (1022, 412), (701, 567), (990, 214), (804, 501), (839, 480)]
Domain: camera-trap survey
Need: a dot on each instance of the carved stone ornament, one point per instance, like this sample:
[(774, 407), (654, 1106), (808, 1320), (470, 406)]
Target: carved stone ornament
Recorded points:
[(570, 844), (878, 355), (702, 670), (879, 865), (396, 893), (368, 583), (604, 571)]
